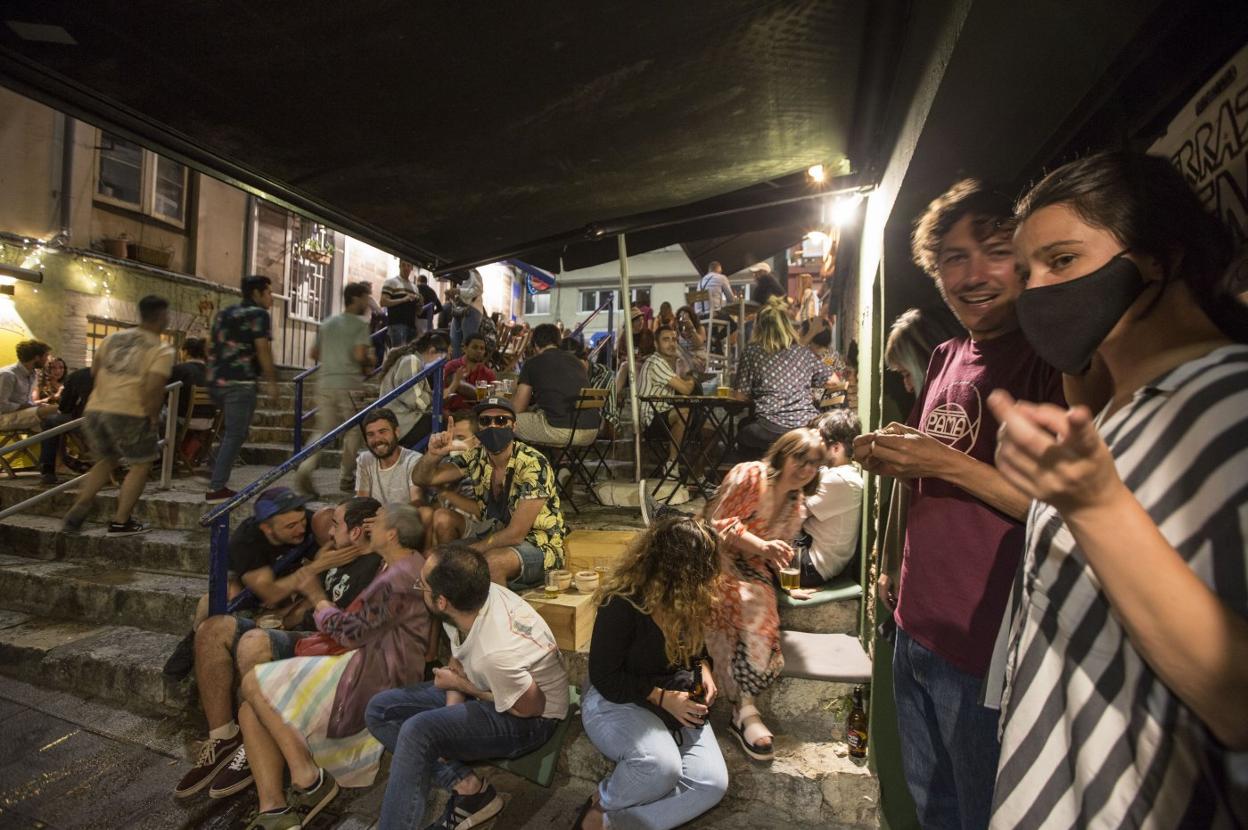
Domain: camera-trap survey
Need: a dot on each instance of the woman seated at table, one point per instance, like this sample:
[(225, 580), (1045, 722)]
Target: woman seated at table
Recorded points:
[(414, 407), (759, 508), (690, 336), (647, 665), (777, 373)]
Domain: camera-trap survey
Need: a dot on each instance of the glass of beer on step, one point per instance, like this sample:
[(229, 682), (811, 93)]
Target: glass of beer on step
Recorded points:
[(790, 578)]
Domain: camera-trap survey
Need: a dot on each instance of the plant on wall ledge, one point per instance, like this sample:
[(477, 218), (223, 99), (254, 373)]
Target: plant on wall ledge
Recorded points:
[(315, 250)]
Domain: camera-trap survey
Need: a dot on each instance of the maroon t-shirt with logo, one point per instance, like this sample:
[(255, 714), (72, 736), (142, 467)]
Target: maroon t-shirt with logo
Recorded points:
[(961, 555)]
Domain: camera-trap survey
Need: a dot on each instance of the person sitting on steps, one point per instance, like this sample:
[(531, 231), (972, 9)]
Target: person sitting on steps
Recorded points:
[(227, 646)]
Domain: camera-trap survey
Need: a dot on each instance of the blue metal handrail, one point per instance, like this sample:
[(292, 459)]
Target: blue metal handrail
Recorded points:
[(218, 518)]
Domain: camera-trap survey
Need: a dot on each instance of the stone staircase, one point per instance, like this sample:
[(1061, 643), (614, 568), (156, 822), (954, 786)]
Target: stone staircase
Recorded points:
[(97, 617)]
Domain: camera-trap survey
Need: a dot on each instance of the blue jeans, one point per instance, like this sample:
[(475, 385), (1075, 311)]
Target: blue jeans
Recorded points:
[(657, 783), (431, 740), (399, 334), (50, 447), (238, 404), (949, 744), (461, 330)]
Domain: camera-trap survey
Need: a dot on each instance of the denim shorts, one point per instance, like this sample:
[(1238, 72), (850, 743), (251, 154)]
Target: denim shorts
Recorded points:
[(281, 642), (129, 439), (532, 566)]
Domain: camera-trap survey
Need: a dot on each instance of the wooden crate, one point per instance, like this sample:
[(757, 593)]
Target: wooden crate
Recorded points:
[(582, 547), (569, 615)]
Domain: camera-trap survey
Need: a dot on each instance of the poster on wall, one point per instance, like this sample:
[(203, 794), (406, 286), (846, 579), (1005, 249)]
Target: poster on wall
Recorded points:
[(1208, 142)]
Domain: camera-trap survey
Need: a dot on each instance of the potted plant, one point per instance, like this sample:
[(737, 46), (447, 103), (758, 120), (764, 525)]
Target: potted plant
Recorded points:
[(314, 250), (118, 246), (160, 257)]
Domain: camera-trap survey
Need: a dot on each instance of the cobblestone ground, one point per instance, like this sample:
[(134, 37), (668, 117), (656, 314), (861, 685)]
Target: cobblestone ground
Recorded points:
[(71, 764)]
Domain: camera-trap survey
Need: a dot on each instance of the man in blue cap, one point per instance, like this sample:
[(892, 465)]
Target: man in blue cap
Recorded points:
[(267, 553)]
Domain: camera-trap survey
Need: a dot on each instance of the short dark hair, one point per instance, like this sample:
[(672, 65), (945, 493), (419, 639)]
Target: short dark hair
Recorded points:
[(838, 426), (195, 347), (151, 307), (461, 575), (29, 350), (992, 211), (357, 509), (404, 519), (355, 289), (423, 279), (547, 334), (822, 338), (575, 345), (476, 335), (432, 340), (253, 283), (381, 413)]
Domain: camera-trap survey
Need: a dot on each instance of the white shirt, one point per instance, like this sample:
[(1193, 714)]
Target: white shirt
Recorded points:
[(832, 519), (720, 290), (508, 647), (390, 485)]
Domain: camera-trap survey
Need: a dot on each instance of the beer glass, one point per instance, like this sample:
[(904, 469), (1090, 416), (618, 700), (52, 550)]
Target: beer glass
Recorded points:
[(483, 390), (552, 585), (790, 578)]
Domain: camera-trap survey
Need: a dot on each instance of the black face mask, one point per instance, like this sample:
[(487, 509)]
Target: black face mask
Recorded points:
[(1066, 322), (495, 439)]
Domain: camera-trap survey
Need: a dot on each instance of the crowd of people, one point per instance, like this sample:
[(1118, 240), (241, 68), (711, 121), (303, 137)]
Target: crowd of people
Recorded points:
[(1069, 602)]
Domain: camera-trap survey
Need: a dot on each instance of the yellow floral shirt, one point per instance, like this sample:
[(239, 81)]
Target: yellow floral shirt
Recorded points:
[(531, 478)]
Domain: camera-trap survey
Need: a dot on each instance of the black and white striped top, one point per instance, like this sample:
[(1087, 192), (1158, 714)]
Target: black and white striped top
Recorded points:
[(1091, 737)]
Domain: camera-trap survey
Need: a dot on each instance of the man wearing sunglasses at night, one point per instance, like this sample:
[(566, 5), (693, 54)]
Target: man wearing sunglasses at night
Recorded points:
[(514, 485)]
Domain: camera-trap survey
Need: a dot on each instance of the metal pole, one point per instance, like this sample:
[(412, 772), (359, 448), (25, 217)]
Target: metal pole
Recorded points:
[(435, 386), (610, 332), (632, 363), (740, 340), (217, 564), (171, 434), (298, 413)]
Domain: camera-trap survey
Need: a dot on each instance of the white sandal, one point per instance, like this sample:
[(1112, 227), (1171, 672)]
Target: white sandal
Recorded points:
[(749, 734)]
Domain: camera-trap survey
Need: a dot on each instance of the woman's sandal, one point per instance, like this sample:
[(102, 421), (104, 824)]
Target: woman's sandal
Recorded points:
[(580, 817), (749, 734)]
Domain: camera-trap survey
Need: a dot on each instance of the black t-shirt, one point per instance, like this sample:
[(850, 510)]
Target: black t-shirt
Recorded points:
[(427, 296), (251, 550), (344, 584), (76, 390), (192, 373), (557, 378), (766, 286)]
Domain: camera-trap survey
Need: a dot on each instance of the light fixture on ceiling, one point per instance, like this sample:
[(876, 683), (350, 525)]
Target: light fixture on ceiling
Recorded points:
[(817, 174)]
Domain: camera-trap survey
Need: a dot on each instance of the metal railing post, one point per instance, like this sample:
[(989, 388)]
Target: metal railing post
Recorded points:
[(218, 564), (436, 386), (611, 334), (298, 414), (171, 434)]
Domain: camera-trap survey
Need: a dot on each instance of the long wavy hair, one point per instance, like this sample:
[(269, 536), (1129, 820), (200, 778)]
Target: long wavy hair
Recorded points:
[(774, 330), (671, 575)]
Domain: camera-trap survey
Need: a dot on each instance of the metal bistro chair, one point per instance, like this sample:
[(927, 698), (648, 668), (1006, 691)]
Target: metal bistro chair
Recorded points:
[(574, 455), (24, 460), (203, 423)]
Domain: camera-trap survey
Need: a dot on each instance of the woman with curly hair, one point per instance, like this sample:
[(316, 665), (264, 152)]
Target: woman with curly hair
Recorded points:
[(651, 684), (759, 508)]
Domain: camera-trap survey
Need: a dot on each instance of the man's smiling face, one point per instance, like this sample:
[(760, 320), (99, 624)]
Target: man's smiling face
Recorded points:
[(977, 278)]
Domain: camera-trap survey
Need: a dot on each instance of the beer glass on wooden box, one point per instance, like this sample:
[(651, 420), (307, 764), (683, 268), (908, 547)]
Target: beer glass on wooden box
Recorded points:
[(790, 578)]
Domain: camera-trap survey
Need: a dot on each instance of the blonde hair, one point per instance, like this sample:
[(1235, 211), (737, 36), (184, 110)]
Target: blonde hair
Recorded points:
[(672, 575), (774, 331)]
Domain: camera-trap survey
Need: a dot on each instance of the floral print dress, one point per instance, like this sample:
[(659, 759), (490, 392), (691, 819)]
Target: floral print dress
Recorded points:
[(744, 641)]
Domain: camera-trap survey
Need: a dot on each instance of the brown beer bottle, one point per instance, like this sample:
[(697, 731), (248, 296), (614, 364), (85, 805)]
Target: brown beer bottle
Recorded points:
[(856, 727), (698, 693)]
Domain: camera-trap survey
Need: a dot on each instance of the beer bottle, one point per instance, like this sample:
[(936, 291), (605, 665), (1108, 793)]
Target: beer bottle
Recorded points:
[(698, 693), (856, 727)]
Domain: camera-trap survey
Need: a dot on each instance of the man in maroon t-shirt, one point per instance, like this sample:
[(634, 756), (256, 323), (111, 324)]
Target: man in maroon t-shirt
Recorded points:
[(462, 374), (964, 531)]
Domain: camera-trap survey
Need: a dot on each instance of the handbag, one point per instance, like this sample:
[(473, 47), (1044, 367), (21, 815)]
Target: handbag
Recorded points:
[(321, 644)]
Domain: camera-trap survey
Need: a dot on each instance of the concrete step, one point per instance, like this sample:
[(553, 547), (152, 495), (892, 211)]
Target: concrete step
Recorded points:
[(116, 663), (272, 435), (273, 417), (38, 537), (73, 591), (270, 455), (839, 617), (809, 784)]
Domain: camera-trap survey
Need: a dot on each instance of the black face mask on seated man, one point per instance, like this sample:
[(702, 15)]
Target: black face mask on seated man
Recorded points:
[(1066, 322), (495, 439)]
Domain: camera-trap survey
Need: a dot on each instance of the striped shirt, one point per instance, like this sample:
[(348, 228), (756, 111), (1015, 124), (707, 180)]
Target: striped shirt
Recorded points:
[(1091, 737), (655, 376)]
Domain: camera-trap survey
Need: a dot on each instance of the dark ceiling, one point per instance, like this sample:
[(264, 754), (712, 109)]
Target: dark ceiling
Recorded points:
[(453, 131)]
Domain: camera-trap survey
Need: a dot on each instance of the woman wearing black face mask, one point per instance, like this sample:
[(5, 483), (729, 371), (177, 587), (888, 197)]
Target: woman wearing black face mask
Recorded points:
[(1127, 662)]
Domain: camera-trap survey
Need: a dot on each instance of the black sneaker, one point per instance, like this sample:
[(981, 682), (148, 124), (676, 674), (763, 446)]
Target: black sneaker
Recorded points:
[(127, 528), (73, 523), (182, 660), (235, 777), (308, 804), (464, 812), (213, 756), (219, 496)]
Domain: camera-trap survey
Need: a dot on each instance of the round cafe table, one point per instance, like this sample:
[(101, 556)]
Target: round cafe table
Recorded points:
[(695, 411)]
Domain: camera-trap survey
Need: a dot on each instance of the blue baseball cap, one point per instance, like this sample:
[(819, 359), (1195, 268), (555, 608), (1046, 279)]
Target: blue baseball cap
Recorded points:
[(278, 500)]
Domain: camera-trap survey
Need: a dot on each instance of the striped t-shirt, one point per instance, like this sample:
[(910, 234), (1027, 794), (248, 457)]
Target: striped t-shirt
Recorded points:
[(654, 377), (1091, 737)]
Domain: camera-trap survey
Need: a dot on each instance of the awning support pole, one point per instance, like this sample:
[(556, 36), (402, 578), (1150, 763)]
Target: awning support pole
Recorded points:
[(626, 297)]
